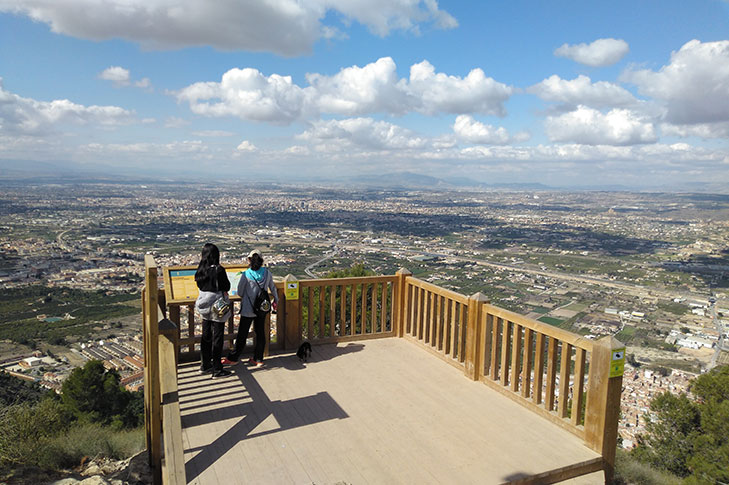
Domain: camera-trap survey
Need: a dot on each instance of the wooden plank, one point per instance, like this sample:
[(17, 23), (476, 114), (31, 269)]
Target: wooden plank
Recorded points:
[(526, 373), (462, 332), (363, 323), (342, 310), (373, 304), (505, 333), (191, 325), (439, 322), (564, 379), (578, 387), (310, 315), (430, 334), (560, 474), (497, 327), (332, 310), (515, 355), (438, 290), (538, 368), (418, 333), (174, 468), (449, 314), (551, 373), (384, 306), (322, 319), (347, 281), (353, 310)]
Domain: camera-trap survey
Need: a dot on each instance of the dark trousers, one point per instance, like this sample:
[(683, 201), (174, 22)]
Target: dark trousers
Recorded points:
[(259, 323), (211, 346)]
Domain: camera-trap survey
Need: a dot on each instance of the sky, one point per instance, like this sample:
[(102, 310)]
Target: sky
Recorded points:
[(564, 93)]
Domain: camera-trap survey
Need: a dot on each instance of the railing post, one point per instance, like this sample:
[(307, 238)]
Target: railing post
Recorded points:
[(475, 336), (400, 310), (603, 402), (292, 311), (151, 377)]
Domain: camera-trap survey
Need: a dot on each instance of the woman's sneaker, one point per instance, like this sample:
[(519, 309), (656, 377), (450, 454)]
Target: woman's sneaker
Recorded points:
[(227, 361), (203, 370), (221, 373)]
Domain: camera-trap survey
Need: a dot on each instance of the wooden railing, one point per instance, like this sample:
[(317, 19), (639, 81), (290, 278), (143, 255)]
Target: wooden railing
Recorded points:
[(557, 374), (163, 427)]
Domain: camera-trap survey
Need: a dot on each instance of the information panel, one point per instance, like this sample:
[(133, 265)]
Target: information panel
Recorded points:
[(180, 283)]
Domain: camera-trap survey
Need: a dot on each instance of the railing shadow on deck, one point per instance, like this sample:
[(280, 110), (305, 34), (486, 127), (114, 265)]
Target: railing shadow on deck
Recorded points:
[(252, 408), (567, 379)]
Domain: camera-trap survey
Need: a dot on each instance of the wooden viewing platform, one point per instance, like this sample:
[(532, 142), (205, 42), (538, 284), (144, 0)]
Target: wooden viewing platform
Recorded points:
[(408, 383), (380, 411)]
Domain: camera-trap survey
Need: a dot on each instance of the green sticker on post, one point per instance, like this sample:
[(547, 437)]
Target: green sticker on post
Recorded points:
[(617, 362)]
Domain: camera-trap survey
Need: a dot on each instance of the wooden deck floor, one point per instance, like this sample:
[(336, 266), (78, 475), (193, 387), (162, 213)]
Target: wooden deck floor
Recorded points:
[(373, 412)]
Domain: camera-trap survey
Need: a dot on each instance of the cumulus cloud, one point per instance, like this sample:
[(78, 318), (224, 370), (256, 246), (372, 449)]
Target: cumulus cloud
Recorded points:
[(591, 127), (246, 146), (30, 117), (582, 91), (353, 91), (362, 133), (357, 90), (694, 86), (472, 131), (118, 75), (286, 27), (602, 52), (248, 94), (439, 92)]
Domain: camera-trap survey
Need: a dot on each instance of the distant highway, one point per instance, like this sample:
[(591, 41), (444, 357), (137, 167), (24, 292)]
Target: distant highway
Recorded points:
[(308, 269)]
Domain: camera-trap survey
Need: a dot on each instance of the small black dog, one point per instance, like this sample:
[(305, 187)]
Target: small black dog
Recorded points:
[(304, 351)]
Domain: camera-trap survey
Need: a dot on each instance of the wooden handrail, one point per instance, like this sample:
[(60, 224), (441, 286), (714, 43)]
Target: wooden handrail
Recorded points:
[(173, 471)]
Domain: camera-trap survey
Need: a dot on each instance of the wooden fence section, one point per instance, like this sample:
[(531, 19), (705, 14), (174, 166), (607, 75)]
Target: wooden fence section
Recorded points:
[(436, 318), (344, 308)]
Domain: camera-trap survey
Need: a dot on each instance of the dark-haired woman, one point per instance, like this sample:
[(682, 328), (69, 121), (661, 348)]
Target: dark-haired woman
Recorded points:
[(212, 281), (253, 281)]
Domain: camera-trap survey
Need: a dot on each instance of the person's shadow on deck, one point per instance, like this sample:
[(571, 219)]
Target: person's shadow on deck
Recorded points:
[(255, 408)]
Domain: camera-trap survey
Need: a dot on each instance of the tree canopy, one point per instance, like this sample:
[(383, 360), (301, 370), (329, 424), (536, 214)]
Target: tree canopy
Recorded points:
[(690, 437)]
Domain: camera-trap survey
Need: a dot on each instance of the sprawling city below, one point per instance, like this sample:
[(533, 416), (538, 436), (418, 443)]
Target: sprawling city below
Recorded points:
[(652, 269)]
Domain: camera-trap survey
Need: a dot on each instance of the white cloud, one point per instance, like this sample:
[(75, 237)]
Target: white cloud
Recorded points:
[(582, 91), (694, 87), (591, 127), (247, 94), (30, 117), (476, 93), (353, 91), (602, 52), (212, 133), (357, 90), (472, 131), (246, 146), (118, 75), (701, 130), (143, 83), (336, 135), (175, 122), (286, 27)]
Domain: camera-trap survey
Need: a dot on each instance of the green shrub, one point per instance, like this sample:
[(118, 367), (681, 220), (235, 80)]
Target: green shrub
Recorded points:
[(629, 471), (90, 440)]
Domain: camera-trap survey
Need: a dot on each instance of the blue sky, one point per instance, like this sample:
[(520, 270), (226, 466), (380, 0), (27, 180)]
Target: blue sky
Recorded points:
[(567, 93)]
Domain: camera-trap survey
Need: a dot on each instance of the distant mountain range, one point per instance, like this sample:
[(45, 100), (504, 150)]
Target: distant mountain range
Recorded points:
[(23, 171)]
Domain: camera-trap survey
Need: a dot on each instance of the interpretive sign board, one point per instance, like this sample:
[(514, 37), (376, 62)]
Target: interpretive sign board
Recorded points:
[(180, 286), (292, 290)]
